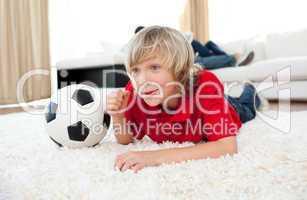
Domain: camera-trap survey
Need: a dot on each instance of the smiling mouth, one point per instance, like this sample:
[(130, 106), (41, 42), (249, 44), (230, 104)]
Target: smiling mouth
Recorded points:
[(150, 92)]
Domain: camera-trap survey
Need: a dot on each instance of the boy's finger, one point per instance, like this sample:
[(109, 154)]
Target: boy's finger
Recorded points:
[(137, 167), (116, 95), (119, 163), (120, 94), (126, 95), (112, 107), (127, 165), (114, 102)]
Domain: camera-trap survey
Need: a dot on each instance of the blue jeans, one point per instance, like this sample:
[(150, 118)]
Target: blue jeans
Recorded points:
[(215, 62), (210, 56), (209, 49), (246, 104)]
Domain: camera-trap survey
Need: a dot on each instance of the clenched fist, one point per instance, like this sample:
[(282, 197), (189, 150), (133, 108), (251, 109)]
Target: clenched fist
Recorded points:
[(117, 102)]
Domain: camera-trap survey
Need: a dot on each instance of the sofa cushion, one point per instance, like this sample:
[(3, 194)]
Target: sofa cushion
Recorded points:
[(289, 44), (263, 69), (234, 47), (99, 59), (256, 44)]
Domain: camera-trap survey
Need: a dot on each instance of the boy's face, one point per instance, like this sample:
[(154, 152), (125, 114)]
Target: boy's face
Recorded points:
[(153, 81)]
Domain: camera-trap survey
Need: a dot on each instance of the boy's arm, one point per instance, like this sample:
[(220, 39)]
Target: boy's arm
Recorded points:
[(136, 160), (116, 104), (214, 149), (121, 132)]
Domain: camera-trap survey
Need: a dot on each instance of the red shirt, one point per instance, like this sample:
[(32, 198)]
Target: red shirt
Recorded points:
[(199, 119)]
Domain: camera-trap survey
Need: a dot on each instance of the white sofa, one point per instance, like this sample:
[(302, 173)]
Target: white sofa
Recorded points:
[(279, 66)]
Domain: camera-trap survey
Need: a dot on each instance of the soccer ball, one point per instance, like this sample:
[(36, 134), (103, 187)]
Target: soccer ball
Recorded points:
[(75, 116)]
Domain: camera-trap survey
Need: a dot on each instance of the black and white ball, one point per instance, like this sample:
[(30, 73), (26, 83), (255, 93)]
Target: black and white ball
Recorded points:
[(75, 116)]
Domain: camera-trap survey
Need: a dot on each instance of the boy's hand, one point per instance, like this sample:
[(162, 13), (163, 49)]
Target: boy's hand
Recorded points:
[(136, 160), (116, 103)]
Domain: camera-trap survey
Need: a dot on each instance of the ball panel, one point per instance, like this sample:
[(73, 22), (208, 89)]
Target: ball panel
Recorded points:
[(96, 144), (78, 131), (51, 112), (106, 120), (82, 97), (60, 145)]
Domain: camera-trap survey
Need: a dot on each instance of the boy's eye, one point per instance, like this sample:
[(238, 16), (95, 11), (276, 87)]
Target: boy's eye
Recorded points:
[(155, 67), (134, 70)]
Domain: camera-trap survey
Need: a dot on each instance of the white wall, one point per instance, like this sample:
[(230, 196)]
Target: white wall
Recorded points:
[(239, 19), (77, 27)]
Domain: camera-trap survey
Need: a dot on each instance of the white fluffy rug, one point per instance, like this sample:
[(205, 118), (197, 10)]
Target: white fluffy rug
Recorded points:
[(270, 165)]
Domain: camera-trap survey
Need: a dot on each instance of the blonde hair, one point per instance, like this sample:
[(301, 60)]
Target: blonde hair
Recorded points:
[(167, 44)]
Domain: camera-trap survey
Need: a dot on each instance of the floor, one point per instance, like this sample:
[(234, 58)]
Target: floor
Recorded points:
[(270, 165), (295, 106), (9, 110)]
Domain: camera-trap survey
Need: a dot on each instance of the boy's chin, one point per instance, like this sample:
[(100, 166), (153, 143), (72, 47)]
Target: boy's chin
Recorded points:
[(153, 102)]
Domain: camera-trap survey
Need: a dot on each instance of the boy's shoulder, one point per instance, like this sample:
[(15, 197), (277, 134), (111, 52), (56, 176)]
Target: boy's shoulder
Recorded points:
[(129, 86), (208, 83), (206, 76)]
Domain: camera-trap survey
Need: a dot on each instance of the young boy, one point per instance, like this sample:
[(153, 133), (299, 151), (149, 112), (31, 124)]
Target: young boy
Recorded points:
[(170, 99)]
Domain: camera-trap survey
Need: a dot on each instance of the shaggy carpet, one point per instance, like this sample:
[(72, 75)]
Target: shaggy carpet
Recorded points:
[(269, 165)]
